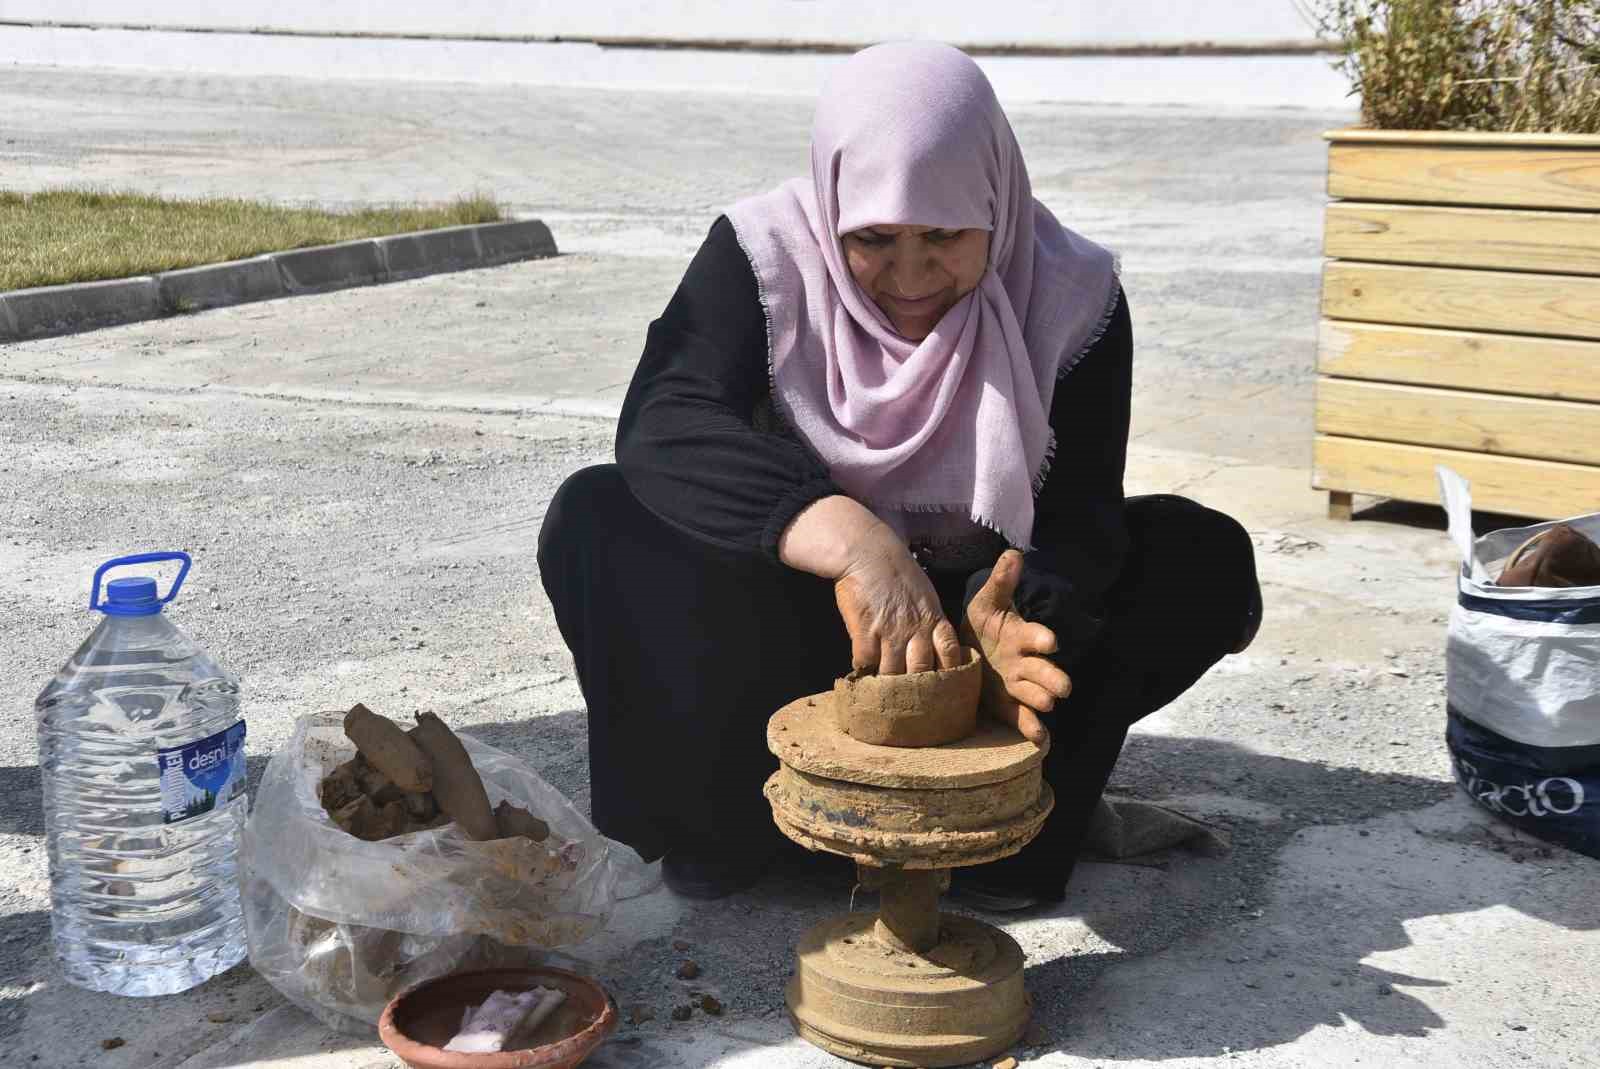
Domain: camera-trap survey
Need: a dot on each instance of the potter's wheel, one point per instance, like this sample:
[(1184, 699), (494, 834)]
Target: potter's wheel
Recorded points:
[(908, 986)]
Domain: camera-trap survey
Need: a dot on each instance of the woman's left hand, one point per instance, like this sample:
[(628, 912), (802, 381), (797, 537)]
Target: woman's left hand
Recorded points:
[(1019, 681)]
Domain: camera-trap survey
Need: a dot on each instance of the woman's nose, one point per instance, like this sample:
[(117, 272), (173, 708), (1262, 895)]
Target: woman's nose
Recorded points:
[(912, 274)]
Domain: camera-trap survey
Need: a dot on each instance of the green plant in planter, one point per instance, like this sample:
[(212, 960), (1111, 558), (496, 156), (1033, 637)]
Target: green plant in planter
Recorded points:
[(1492, 65)]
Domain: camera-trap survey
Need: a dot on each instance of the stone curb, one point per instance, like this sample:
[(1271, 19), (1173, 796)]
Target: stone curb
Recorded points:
[(82, 306), (54, 310)]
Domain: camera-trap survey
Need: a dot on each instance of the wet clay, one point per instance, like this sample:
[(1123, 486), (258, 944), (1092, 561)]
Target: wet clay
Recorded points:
[(915, 709)]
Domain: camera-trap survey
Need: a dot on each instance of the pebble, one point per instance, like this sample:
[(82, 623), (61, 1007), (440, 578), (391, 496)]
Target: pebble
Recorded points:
[(679, 945), (113, 1043), (682, 1013), (1385, 989), (640, 1014), (219, 1018), (710, 1006), (688, 971), (1006, 1063)]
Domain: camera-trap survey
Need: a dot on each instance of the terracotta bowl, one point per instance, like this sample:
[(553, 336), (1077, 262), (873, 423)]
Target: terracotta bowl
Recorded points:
[(417, 1025)]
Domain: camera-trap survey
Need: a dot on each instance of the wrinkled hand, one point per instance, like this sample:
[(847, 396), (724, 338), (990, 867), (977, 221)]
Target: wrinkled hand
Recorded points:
[(1019, 682), (891, 611)]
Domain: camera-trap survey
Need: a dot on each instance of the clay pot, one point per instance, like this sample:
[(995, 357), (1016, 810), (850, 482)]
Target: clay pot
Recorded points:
[(417, 1025), (915, 709)]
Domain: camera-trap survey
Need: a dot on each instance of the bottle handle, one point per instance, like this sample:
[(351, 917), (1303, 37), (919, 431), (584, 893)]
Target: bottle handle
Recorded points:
[(139, 558)]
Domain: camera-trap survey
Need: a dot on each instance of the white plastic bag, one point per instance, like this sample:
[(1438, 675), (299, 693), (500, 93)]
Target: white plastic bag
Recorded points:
[(1523, 687), (340, 925)]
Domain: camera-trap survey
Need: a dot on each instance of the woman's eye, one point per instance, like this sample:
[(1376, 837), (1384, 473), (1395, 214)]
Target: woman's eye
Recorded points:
[(940, 237), (868, 238)]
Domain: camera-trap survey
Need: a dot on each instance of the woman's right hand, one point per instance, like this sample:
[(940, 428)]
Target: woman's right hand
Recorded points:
[(887, 602), (891, 611)]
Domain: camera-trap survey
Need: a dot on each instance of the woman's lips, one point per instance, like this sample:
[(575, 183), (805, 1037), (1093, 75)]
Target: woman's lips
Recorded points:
[(918, 306)]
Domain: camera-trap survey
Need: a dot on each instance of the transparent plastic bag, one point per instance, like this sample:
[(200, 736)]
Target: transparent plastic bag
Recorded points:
[(340, 926)]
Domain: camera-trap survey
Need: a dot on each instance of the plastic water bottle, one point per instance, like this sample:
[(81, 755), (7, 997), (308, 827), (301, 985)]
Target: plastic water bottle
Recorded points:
[(141, 748)]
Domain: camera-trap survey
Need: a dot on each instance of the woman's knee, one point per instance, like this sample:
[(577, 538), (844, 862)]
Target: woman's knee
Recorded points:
[(1202, 551), (580, 507), (1211, 540)]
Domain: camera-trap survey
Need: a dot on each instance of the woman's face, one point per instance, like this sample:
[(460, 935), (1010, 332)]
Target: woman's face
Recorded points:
[(916, 273)]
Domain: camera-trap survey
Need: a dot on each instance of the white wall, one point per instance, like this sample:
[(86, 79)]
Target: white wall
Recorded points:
[(1029, 22), (1226, 82)]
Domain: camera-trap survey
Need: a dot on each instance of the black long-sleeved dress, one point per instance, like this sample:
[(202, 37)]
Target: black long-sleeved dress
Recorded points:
[(688, 632)]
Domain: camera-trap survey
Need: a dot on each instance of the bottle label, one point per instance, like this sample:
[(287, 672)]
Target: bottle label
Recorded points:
[(199, 776)]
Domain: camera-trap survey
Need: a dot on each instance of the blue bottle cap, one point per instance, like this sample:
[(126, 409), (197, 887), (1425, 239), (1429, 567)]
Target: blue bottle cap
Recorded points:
[(135, 596), (131, 597)]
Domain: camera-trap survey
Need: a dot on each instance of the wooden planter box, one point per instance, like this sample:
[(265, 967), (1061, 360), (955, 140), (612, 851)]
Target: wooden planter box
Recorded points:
[(1461, 319)]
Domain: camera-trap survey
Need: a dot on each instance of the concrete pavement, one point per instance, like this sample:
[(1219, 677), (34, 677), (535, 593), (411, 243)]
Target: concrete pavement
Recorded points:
[(361, 476)]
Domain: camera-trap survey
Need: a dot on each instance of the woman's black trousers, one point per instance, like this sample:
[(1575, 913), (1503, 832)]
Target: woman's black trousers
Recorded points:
[(684, 650)]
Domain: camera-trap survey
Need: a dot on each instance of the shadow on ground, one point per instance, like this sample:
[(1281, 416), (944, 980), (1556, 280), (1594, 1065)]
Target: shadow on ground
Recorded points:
[(1252, 951), (1288, 947), (1432, 518), (21, 811)]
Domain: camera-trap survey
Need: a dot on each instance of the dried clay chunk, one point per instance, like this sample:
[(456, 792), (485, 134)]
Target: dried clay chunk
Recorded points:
[(514, 820), (374, 784), (392, 821), (357, 816), (340, 787), (420, 806), (366, 820), (1560, 556), (456, 784), (388, 748)]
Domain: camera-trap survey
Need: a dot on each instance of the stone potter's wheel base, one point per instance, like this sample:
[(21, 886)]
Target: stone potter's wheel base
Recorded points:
[(960, 1002)]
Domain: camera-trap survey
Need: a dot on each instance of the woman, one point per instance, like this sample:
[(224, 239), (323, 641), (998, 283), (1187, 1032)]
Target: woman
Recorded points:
[(886, 408)]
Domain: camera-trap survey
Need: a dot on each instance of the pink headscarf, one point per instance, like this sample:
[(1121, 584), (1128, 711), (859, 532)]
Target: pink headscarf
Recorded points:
[(912, 134)]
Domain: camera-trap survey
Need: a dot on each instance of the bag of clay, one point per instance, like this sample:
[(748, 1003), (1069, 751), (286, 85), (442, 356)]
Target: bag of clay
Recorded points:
[(340, 925), (1523, 675)]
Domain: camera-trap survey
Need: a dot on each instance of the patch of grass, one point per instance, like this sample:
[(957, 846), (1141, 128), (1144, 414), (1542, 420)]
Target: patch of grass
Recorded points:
[(73, 235), (1504, 66)]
